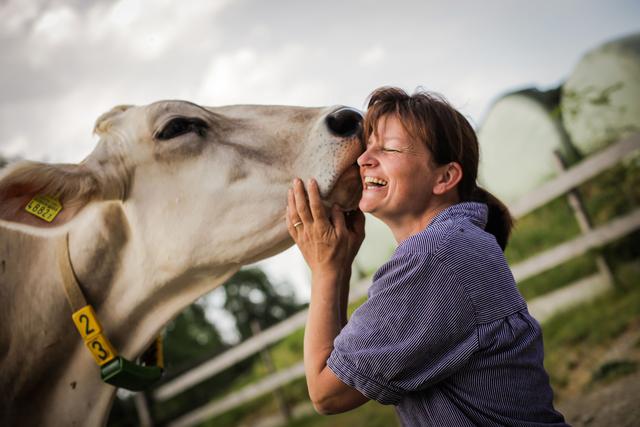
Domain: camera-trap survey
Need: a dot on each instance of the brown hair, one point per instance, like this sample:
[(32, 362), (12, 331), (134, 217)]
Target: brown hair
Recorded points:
[(428, 117)]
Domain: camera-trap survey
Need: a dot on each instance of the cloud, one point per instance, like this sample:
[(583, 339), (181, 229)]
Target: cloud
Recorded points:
[(56, 25), (265, 77), (15, 147), (372, 56), (64, 63), (16, 15)]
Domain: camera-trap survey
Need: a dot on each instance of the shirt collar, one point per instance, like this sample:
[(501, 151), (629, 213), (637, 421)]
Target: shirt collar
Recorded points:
[(476, 212)]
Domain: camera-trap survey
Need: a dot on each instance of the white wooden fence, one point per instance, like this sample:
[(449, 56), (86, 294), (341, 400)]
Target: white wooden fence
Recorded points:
[(541, 307)]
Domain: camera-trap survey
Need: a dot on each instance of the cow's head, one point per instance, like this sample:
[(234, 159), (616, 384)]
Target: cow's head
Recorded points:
[(174, 198), (206, 183)]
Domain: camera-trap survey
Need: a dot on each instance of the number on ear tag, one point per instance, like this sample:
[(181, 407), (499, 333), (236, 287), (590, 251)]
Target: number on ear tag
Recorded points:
[(44, 207), (87, 322), (101, 350)]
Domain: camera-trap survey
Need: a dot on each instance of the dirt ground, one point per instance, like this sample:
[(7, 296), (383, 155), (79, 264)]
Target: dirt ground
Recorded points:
[(616, 404)]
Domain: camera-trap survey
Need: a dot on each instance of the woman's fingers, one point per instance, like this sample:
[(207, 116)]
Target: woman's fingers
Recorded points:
[(317, 208), (337, 217), (357, 221), (301, 205), (291, 216)]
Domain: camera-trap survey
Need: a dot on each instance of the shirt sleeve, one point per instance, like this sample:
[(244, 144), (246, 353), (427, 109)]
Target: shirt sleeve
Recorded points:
[(416, 328)]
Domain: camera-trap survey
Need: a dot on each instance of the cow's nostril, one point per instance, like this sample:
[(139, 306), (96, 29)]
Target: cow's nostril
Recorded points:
[(344, 122)]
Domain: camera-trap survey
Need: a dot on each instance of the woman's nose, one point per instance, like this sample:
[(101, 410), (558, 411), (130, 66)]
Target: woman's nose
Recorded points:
[(366, 159)]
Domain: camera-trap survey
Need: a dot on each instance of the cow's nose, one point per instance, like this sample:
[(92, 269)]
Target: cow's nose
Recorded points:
[(344, 122)]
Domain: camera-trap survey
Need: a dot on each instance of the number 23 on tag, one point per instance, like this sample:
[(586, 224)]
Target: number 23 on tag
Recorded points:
[(87, 324)]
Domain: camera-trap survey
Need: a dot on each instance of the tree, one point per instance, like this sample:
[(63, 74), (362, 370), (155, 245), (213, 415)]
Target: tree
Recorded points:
[(250, 297)]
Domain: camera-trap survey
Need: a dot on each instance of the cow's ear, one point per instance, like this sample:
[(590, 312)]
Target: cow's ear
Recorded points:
[(30, 192)]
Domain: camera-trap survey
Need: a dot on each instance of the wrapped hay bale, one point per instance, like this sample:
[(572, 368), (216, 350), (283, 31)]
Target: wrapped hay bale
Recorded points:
[(517, 139), (601, 99)]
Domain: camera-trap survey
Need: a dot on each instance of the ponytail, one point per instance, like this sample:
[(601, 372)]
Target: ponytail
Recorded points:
[(499, 221)]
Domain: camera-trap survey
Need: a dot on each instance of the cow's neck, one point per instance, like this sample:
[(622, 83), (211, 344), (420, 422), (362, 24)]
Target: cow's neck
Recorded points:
[(132, 302)]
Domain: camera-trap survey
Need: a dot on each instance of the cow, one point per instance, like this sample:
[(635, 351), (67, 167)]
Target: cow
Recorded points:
[(173, 200)]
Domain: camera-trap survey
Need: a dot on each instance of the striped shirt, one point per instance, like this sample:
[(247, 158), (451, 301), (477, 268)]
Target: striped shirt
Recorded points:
[(445, 334)]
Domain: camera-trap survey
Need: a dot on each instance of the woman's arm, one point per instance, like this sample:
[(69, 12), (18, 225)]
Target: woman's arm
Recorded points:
[(329, 248), (328, 394)]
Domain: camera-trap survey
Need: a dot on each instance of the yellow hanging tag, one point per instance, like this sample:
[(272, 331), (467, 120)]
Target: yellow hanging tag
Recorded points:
[(44, 207), (87, 322), (90, 329), (101, 349)]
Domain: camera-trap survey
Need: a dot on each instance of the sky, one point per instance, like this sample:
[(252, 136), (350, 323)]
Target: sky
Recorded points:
[(64, 62)]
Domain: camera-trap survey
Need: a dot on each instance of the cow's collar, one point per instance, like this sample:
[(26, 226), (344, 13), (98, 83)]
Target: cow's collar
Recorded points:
[(114, 369)]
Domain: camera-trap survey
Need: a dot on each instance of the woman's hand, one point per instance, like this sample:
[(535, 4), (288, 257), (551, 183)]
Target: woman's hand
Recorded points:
[(328, 243)]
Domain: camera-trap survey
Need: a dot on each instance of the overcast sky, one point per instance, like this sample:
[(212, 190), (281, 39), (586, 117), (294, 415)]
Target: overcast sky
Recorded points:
[(63, 63)]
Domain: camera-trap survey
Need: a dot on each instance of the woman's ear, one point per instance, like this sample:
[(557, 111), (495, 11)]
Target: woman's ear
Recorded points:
[(31, 191), (448, 177)]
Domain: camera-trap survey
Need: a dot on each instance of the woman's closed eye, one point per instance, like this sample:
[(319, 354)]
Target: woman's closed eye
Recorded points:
[(390, 150)]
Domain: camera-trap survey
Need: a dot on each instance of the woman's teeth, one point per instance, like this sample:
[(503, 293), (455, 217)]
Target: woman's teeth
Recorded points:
[(371, 182)]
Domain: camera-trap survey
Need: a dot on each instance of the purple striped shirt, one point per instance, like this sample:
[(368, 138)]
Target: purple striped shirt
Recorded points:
[(445, 334)]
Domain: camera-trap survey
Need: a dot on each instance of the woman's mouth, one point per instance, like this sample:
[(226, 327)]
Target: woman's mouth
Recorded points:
[(372, 183)]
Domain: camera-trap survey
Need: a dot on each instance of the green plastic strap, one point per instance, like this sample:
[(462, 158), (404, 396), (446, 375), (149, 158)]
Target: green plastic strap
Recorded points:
[(125, 374)]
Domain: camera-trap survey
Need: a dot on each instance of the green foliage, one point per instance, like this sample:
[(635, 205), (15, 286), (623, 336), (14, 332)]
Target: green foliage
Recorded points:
[(613, 370), (189, 338), (250, 297), (541, 229), (614, 192)]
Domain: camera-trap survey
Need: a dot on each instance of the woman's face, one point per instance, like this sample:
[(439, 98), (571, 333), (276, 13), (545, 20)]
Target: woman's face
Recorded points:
[(397, 174)]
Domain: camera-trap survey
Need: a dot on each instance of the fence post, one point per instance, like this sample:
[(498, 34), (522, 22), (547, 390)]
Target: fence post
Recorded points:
[(271, 368), (142, 408), (582, 216)]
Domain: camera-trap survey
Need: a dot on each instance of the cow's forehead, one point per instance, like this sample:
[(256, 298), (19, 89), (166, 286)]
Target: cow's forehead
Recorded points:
[(160, 108), (292, 113)]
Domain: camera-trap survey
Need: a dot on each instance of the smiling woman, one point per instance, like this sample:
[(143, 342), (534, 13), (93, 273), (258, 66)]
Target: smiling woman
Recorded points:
[(445, 335)]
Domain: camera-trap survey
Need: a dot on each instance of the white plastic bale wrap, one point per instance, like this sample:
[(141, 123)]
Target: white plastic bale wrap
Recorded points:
[(601, 99), (517, 139), (377, 247)]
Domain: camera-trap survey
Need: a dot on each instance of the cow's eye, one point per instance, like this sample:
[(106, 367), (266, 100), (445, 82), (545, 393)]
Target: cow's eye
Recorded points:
[(181, 125)]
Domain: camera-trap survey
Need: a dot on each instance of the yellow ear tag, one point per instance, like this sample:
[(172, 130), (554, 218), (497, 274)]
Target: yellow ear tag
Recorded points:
[(44, 207)]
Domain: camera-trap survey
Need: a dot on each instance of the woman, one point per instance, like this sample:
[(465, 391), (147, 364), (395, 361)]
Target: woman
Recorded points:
[(444, 335)]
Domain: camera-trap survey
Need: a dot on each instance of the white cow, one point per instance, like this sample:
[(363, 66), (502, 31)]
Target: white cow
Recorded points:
[(171, 202)]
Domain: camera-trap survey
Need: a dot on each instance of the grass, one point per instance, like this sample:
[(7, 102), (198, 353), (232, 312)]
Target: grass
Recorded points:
[(582, 333), (558, 277), (541, 229), (371, 414)]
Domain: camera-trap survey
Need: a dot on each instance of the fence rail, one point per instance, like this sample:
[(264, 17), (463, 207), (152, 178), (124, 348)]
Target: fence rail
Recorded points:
[(542, 307), (578, 174)]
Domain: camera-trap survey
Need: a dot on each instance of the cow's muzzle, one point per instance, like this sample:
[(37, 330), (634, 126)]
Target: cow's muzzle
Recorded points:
[(345, 122)]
